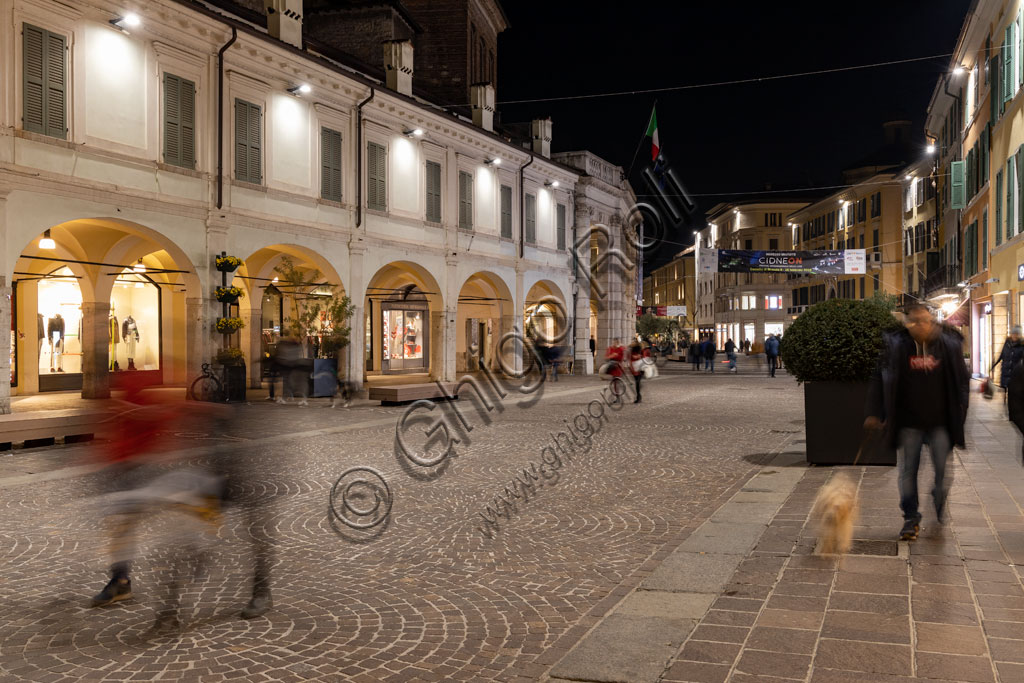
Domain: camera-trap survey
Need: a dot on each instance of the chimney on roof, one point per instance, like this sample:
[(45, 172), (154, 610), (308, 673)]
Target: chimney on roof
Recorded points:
[(481, 98), (398, 56), (541, 133), (284, 20)]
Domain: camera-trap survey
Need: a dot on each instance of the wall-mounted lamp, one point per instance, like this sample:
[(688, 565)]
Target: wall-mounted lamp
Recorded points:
[(551, 183), (413, 132), (696, 232), (908, 177), (930, 149), (842, 203), (302, 89), (493, 162), (139, 267), (957, 70), (275, 280), (129, 20), (46, 242)]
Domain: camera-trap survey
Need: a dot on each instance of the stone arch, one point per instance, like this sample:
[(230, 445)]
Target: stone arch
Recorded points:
[(392, 286), (547, 314), (485, 312)]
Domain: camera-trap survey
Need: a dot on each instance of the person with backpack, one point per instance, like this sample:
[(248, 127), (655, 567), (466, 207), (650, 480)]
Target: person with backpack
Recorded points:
[(771, 352)]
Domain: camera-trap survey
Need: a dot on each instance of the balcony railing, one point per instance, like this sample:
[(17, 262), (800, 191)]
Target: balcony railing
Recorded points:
[(945, 277)]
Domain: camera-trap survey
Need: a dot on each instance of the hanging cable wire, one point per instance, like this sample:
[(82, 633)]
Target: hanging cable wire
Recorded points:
[(737, 81)]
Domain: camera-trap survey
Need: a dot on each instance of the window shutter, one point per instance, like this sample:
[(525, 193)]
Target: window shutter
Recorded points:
[(465, 201), (241, 140), (187, 97), (984, 239), (330, 164), (376, 177), (172, 119), (1009, 74), (957, 181), (531, 219), (560, 226), (999, 207), (56, 122), (1020, 48), (255, 144), (1020, 191), (179, 121), (1011, 183), (993, 84), (433, 191), (506, 211), (33, 80)]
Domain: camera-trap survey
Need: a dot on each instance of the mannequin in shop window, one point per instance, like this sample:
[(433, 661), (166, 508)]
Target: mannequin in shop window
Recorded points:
[(55, 333), (40, 332), (130, 336), (114, 328)]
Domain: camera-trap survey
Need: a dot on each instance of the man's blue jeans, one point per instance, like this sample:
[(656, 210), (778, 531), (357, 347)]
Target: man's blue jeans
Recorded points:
[(732, 361), (911, 441), (709, 364)]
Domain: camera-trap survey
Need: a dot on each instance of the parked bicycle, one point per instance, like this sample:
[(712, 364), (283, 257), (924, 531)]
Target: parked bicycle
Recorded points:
[(206, 387)]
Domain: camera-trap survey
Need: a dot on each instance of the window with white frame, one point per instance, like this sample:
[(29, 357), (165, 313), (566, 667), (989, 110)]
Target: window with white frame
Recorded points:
[(772, 302)]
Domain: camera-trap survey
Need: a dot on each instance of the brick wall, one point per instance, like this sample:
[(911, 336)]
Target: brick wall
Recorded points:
[(359, 32)]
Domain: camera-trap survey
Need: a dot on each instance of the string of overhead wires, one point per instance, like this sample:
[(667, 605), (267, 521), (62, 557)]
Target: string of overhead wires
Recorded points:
[(735, 81)]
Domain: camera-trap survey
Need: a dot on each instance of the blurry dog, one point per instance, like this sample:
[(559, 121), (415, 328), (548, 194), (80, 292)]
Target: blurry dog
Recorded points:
[(835, 510)]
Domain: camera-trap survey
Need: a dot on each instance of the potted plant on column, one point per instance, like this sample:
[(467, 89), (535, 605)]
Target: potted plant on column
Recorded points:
[(832, 349), (319, 319)]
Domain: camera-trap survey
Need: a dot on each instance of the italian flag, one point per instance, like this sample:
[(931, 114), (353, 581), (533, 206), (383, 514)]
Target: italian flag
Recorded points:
[(652, 133)]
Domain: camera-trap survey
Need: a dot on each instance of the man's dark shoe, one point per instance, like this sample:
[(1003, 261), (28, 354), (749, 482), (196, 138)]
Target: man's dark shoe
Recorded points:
[(909, 531), (117, 589), (258, 606)]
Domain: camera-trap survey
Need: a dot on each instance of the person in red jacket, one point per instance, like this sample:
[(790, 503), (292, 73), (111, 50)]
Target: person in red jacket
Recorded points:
[(616, 353)]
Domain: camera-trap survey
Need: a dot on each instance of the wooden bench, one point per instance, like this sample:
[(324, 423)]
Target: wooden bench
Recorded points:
[(44, 427), (397, 394)]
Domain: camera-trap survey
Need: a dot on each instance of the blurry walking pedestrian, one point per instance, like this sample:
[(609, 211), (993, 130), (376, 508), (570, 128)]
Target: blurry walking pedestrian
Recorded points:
[(1011, 357), (709, 352), (1015, 402), (919, 395), (694, 354), (295, 378), (771, 353), (730, 353), (638, 355)]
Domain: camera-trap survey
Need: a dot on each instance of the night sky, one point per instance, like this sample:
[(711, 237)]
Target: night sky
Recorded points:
[(730, 139)]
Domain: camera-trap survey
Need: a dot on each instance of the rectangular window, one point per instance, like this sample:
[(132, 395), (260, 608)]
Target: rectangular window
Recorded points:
[(248, 142), (560, 227), (179, 121), (994, 93), (748, 244), (44, 82), (958, 183), (465, 201), (506, 211), (874, 239), (1009, 73), (530, 208), (376, 176), (433, 192), (1019, 193), (1011, 184), (330, 164), (862, 288), (773, 244)]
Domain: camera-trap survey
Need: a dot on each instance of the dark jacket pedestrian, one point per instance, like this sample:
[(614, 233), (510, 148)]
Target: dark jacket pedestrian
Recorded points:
[(1010, 357), (708, 351), (637, 355), (694, 354), (918, 395), (771, 354)]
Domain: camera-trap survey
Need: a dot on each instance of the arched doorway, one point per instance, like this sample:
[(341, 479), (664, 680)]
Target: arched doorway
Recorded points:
[(87, 293), (485, 314), (283, 282), (545, 315), (402, 322)]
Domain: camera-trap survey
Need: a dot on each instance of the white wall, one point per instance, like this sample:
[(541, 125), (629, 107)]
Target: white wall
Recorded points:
[(485, 200), (115, 87), (405, 162), (291, 147)]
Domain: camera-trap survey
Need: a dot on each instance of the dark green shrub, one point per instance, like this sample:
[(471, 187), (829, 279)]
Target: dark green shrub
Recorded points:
[(837, 340)]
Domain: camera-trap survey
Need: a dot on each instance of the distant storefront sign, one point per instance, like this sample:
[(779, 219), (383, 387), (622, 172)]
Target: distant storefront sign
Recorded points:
[(1020, 272), (661, 310), (847, 262)]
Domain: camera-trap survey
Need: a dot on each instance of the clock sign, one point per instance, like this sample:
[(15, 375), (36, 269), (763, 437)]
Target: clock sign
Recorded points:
[(1020, 272)]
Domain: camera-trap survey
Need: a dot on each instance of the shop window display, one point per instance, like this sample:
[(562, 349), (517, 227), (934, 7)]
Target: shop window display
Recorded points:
[(134, 323), (404, 338), (59, 323)]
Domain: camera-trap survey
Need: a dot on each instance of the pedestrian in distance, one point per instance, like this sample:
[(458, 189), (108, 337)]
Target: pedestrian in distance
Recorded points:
[(1015, 401), (695, 354), (615, 354), (918, 395), (771, 353), (730, 353), (638, 355), (593, 347), (709, 354), (1011, 357)]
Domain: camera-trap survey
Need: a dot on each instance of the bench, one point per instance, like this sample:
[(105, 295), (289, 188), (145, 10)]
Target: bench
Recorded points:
[(44, 427), (397, 394)]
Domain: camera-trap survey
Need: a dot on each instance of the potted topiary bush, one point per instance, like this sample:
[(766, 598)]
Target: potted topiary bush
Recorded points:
[(832, 349)]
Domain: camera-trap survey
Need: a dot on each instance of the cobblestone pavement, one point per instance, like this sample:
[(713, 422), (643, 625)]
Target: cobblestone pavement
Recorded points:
[(430, 598), (949, 606)]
